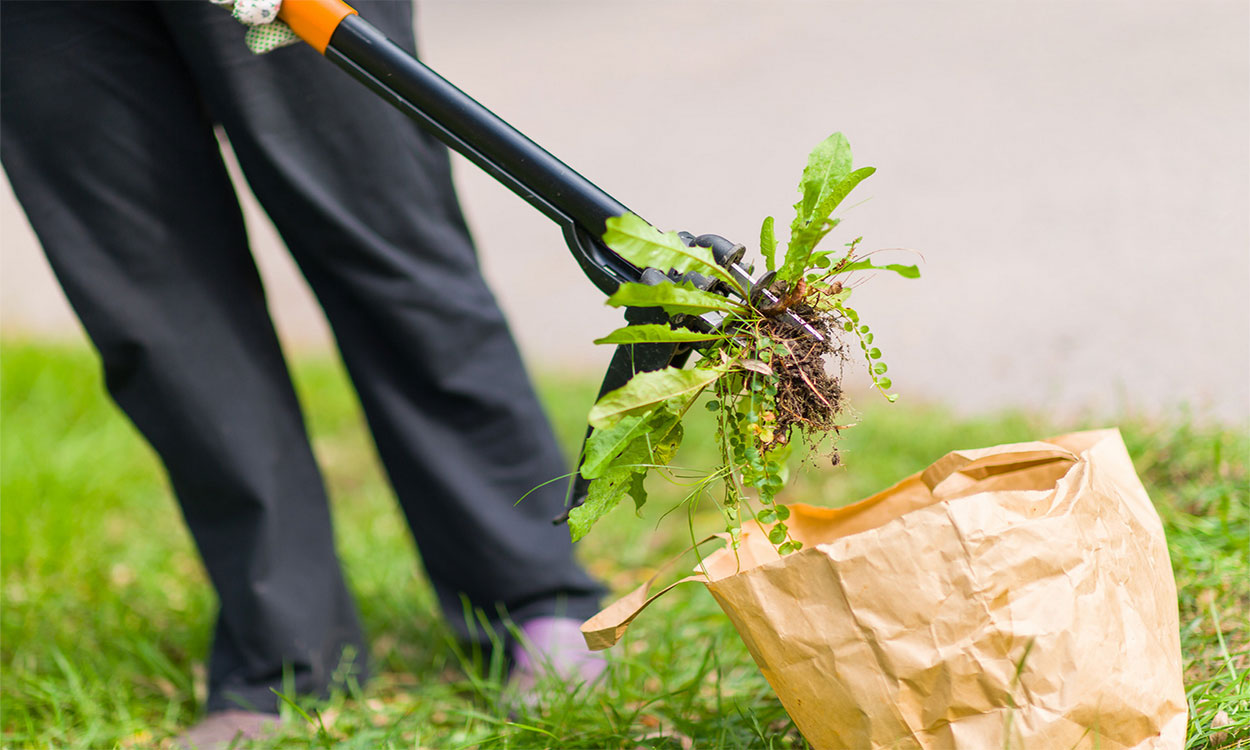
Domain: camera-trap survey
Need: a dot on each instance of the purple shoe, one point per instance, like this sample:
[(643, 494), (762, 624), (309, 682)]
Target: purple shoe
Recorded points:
[(225, 730), (553, 647)]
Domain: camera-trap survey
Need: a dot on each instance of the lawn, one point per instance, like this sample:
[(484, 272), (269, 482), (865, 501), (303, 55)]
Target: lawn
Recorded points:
[(107, 614)]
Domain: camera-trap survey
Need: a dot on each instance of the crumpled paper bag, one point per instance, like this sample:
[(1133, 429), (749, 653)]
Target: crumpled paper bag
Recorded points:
[(1019, 596)]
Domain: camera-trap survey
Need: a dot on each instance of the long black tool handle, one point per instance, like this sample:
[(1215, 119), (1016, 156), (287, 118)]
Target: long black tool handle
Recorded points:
[(465, 125)]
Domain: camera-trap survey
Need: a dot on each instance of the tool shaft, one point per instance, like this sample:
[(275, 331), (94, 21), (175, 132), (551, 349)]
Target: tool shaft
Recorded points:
[(470, 128)]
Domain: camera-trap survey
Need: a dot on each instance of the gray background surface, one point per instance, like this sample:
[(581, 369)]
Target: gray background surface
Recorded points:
[(1075, 174)]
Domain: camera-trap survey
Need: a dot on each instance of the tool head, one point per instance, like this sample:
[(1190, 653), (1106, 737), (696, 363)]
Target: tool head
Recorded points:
[(759, 294)]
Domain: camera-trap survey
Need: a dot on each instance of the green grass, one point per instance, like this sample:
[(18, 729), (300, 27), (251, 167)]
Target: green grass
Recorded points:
[(107, 613)]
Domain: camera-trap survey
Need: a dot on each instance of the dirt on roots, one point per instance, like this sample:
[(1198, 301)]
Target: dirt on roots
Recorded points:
[(808, 396)]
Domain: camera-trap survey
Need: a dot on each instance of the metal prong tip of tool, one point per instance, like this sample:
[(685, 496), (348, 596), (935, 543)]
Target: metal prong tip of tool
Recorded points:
[(743, 277)]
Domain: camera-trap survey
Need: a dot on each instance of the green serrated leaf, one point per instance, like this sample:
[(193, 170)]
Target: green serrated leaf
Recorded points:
[(605, 444), (646, 390), (865, 264), (673, 298), (622, 476), (643, 245), (604, 495), (768, 244), (806, 233), (827, 165), (657, 333), (827, 180), (836, 193), (803, 239), (666, 435)]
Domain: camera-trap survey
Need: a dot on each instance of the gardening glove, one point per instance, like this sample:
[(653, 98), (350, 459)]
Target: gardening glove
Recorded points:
[(265, 32)]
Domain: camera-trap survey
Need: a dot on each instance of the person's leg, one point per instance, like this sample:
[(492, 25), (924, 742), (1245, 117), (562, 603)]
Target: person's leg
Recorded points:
[(109, 151), (364, 200)]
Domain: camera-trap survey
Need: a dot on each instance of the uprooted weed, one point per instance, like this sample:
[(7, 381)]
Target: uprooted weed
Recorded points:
[(773, 354)]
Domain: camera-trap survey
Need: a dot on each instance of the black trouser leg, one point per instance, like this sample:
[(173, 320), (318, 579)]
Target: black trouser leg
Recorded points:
[(365, 202), (113, 158)]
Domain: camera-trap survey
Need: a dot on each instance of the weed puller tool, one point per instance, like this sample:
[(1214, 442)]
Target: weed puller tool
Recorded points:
[(579, 207)]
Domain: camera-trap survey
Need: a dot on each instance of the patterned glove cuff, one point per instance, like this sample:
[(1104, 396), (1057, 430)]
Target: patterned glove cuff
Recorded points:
[(265, 32)]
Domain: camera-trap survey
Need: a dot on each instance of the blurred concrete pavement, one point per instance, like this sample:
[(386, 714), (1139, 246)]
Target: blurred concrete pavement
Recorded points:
[(1075, 174)]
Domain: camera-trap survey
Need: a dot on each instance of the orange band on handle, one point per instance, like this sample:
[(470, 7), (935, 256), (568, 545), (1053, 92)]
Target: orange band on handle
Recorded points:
[(314, 21)]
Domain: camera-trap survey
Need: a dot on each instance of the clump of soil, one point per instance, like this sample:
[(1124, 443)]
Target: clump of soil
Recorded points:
[(808, 396)]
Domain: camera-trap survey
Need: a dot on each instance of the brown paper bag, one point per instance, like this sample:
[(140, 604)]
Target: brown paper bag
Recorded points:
[(1017, 596)]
